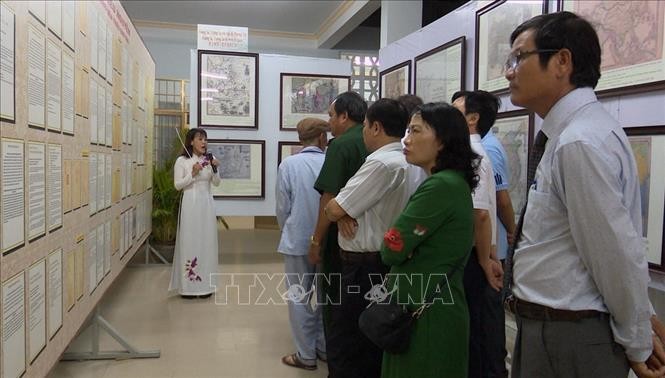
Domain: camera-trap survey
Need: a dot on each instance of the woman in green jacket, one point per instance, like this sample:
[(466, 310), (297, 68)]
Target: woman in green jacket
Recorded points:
[(431, 237)]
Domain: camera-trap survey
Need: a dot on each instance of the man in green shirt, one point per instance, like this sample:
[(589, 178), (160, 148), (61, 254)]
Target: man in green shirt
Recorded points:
[(345, 154)]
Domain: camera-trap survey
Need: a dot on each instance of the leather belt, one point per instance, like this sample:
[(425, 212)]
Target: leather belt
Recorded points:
[(360, 257), (535, 311)]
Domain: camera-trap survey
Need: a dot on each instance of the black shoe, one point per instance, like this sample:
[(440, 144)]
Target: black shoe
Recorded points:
[(188, 296), (205, 296)]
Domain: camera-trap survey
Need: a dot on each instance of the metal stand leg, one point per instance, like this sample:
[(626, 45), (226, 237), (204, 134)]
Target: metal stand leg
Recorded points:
[(96, 323), (149, 249)]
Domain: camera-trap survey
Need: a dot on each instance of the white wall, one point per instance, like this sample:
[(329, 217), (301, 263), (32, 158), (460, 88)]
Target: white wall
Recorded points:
[(270, 68), (642, 109), (629, 110), (170, 48)]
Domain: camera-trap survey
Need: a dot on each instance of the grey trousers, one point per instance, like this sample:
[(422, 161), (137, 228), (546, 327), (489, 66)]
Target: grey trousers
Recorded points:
[(584, 348), (306, 324)]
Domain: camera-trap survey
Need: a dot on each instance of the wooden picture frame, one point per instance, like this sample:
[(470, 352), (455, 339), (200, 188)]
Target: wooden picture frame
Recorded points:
[(286, 149), (307, 95), (515, 131), (494, 24), (626, 70), (432, 68), (242, 167), (230, 93), (395, 81), (648, 145)]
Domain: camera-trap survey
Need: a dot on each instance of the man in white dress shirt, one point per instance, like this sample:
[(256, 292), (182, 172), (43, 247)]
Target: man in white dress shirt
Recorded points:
[(483, 267), (580, 271), (364, 210), (297, 210)]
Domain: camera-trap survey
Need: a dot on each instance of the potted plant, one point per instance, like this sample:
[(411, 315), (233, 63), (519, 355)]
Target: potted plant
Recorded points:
[(165, 203)]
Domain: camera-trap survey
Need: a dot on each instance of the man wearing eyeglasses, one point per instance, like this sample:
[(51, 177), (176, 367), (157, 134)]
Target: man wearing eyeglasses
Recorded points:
[(580, 271)]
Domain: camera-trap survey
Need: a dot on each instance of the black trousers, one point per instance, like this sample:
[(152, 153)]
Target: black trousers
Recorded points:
[(475, 285), (493, 345), (350, 353)]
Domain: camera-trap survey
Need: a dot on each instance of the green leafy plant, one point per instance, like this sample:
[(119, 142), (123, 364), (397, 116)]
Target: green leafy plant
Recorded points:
[(165, 205)]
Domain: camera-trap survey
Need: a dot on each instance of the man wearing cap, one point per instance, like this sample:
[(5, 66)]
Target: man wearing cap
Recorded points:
[(297, 210)]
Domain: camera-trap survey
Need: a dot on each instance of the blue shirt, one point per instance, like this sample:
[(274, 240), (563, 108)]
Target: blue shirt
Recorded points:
[(501, 169), (297, 200)]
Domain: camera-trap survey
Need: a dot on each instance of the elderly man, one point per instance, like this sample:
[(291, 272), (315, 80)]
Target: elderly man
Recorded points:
[(297, 209), (345, 154), (580, 269)]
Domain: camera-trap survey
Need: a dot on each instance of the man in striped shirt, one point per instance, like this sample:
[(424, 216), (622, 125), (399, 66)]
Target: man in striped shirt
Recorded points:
[(364, 209)]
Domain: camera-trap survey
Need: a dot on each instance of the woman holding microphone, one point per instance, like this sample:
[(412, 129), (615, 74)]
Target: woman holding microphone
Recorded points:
[(196, 248)]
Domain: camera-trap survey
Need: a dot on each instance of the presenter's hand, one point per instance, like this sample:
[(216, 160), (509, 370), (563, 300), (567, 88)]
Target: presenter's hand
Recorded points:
[(347, 227), (215, 162), (196, 168)]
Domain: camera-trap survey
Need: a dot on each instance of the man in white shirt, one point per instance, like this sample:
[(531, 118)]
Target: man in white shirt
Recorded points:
[(580, 281), (483, 267), (364, 210), (297, 209)]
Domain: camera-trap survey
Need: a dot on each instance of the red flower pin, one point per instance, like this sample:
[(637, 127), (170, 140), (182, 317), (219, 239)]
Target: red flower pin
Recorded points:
[(393, 240)]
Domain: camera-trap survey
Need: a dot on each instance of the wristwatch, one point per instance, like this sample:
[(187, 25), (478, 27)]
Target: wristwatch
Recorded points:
[(313, 241)]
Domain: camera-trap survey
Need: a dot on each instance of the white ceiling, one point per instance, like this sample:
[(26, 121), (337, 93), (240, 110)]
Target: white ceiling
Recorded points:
[(298, 16)]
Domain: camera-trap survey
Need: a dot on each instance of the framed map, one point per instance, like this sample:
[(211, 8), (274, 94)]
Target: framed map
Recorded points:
[(228, 89), (286, 149), (307, 95), (242, 168), (439, 72), (395, 81), (632, 41), (494, 24), (515, 131), (648, 144)]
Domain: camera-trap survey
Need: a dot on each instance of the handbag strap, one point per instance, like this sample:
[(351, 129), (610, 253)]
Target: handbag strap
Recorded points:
[(445, 280)]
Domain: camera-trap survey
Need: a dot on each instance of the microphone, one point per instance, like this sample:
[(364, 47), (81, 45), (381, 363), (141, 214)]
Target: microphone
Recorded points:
[(210, 158)]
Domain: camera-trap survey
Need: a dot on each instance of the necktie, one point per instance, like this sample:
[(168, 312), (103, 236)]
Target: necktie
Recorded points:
[(536, 154)]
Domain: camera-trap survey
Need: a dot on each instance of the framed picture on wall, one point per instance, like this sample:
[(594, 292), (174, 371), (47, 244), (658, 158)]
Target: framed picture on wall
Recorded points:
[(286, 149), (228, 89), (395, 81), (242, 167), (439, 72), (307, 95), (632, 41), (648, 144), (494, 24), (515, 132)]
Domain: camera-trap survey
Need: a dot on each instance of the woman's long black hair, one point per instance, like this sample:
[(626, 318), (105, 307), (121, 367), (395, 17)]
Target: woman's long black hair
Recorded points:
[(451, 130), (191, 134)]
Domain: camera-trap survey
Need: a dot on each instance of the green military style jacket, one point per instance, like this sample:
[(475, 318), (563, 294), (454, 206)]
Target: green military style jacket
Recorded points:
[(344, 156)]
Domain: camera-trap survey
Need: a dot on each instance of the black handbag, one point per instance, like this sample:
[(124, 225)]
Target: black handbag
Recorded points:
[(389, 324)]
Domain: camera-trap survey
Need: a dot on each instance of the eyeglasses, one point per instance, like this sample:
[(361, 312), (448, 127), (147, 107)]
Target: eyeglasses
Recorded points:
[(514, 59)]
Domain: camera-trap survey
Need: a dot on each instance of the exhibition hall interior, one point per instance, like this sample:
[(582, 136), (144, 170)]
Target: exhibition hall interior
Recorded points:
[(168, 167)]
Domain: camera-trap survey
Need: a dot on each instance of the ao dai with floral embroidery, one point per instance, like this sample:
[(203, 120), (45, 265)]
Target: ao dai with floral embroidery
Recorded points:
[(196, 250)]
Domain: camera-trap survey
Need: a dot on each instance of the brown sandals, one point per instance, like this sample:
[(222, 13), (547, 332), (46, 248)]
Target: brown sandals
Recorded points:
[(293, 361)]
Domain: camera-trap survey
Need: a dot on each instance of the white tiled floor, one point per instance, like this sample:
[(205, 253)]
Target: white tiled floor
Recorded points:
[(197, 338)]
